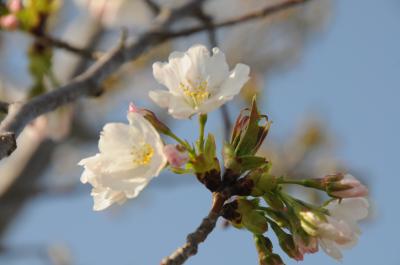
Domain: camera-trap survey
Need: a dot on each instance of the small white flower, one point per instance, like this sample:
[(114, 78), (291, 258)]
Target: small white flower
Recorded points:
[(130, 156), (340, 229), (197, 82)]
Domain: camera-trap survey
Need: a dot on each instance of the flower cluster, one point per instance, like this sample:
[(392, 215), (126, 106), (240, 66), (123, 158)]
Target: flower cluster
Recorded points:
[(130, 155)]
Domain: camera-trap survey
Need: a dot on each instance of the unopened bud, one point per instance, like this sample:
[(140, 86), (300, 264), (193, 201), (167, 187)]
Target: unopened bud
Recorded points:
[(150, 117), (332, 178), (177, 156), (347, 187), (249, 131)]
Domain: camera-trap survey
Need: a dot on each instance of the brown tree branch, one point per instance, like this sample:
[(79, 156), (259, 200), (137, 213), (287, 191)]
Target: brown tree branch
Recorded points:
[(88, 83)]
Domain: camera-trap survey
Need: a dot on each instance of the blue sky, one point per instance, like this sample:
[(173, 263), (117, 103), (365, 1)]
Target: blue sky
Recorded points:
[(349, 76)]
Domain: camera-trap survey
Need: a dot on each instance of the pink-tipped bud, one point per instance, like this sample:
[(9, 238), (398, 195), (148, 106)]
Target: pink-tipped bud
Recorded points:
[(9, 22), (150, 117), (176, 156), (14, 5), (132, 108), (349, 187)]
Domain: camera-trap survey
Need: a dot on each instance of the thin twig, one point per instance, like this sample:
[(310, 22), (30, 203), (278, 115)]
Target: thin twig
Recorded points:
[(88, 83), (57, 43), (248, 17)]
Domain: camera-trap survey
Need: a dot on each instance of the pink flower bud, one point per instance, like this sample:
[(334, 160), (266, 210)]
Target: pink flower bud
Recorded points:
[(15, 5), (351, 188), (9, 22), (176, 158)]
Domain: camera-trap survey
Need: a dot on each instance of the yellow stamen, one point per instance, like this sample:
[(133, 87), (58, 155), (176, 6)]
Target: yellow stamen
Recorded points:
[(143, 155), (197, 93)]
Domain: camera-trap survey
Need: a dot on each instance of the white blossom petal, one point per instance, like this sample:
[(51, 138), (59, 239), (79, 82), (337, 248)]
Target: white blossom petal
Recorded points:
[(116, 138), (179, 108), (350, 209), (216, 68), (236, 80), (331, 249), (103, 198), (160, 97)]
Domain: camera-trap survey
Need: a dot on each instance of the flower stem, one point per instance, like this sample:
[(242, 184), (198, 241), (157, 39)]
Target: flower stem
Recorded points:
[(183, 143), (310, 183), (202, 122)]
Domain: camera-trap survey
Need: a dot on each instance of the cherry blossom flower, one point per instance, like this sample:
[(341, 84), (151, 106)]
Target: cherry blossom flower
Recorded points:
[(339, 230), (197, 82), (130, 157)]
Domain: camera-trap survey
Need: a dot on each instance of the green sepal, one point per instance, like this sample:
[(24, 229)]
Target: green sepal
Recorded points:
[(210, 147), (249, 162), (273, 200), (229, 156), (250, 135)]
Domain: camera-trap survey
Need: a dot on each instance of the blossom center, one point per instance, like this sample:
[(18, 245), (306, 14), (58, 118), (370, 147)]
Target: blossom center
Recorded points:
[(142, 156), (197, 93)]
